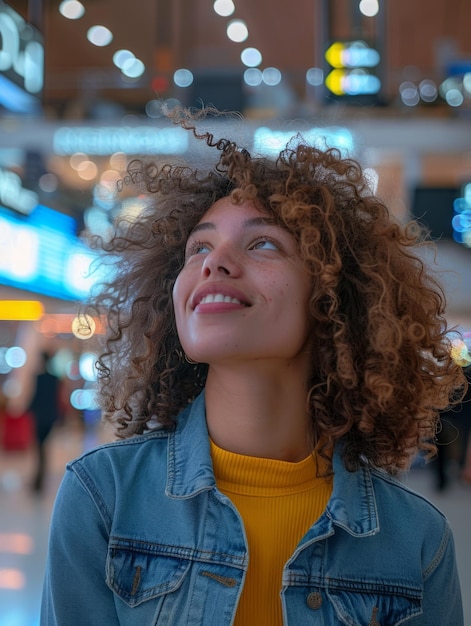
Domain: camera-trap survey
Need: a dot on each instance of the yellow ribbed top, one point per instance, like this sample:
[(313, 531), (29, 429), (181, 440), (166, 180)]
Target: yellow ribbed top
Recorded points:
[(278, 502)]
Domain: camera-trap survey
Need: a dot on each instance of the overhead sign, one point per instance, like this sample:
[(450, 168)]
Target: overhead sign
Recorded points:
[(353, 66), (352, 54), (21, 62), (342, 82), (14, 195), (269, 142), (41, 254), (130, 140), (461, 221)]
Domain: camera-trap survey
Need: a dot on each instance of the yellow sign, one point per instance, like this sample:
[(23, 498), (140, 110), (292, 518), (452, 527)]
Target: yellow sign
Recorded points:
[(334, 54), (352, 54), (21, 310), (334, 82)]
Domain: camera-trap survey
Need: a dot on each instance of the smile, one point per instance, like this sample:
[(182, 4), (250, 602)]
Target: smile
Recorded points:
[(219, 297)]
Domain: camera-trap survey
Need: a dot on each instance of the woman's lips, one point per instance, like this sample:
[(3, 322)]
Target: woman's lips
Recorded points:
[(214, 297), (219, 297)]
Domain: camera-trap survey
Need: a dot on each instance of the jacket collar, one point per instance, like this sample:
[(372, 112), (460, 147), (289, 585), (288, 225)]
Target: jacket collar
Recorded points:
[(352, 504), (190, 469)]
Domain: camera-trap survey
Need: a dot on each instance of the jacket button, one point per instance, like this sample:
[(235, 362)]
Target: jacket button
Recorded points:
[(314, 600)]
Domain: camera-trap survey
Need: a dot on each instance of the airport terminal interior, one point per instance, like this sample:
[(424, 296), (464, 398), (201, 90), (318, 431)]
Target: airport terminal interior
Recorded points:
[(85, 86)]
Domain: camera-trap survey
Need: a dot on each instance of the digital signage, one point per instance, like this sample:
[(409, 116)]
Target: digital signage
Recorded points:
[(21, 63), (41, 253)]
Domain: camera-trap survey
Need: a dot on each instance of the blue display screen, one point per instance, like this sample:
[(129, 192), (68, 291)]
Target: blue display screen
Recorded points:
[(42, 254)]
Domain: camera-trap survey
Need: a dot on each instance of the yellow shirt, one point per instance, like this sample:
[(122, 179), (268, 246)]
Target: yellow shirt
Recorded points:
[(278, 502)]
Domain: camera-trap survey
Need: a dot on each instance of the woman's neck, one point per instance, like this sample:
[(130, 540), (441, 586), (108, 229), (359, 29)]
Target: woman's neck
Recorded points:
[(259, 411)]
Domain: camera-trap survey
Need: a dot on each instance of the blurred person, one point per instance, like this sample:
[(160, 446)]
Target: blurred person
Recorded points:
[(276, 356), (453, 441), (466, 473), (45, 409)]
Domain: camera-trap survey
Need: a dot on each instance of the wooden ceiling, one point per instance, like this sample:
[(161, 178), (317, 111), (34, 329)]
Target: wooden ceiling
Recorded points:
[(417, 38)]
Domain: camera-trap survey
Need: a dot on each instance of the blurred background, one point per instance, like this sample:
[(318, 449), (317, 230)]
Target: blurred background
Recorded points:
[(84, 86)]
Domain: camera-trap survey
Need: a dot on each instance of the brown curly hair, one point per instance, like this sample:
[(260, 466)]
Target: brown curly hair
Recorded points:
[(381, 366)]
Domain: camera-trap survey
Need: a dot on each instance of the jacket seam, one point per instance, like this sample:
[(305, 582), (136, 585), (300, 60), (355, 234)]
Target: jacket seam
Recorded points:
[(439, 554), (134, 440), (192, 554), (95, 496), (382, 475)]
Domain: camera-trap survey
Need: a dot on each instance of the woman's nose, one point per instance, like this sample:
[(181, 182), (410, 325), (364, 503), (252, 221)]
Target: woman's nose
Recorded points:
[(222, 260)]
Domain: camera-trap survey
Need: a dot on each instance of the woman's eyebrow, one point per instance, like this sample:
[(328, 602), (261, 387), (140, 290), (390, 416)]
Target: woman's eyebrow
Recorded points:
[(250, 223)]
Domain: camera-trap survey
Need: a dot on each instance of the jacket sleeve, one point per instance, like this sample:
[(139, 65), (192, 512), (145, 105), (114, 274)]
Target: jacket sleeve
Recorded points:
[(442, 602), (75, 592)]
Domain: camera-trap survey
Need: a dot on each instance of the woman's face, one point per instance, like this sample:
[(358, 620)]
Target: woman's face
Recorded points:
[(243, 291)]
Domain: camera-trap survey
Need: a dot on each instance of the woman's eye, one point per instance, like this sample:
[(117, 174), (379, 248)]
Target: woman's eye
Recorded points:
[(265, 244), (197, 247)]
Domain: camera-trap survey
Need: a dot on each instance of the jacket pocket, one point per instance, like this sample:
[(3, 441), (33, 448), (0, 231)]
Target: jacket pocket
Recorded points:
[(138, 571), (370, 608)]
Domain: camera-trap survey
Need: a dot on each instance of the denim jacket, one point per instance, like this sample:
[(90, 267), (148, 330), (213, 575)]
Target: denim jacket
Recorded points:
[(141, 536)]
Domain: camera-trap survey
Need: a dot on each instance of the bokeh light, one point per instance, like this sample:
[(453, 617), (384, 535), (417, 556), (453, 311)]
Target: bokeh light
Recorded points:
[(99, 35), (251, 57), (83, 326), (183, 77), (15, 357), (369, 8), (271, 76), (133, 68), (315, 76), (237, 31), (121, 56), (224, 8), (253, 77), (71, 9)]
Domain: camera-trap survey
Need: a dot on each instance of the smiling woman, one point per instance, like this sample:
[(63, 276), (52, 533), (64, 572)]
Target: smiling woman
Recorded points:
[(279, 347), (243, 291)]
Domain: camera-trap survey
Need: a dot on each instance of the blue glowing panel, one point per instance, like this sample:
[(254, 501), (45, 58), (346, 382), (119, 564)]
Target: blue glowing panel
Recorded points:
[(15, 99), (22, 62), (41, 253), (269, 142)]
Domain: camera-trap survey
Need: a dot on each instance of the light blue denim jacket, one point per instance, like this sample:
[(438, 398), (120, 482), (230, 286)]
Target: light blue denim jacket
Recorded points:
[(141, 536)]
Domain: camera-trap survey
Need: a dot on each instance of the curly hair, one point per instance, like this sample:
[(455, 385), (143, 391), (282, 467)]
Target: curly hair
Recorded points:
[(382, 368)]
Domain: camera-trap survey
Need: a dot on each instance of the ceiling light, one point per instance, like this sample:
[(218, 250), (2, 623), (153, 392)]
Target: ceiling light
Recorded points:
[(409, 93), (133, 68), (121, 56), (224, 7), (315, 76), (454, 98), (369, 8), (428, 90), (271, 76), (253, 77), (251, 57), (99, 35), (71, 9), (237, 30), (183, 78)]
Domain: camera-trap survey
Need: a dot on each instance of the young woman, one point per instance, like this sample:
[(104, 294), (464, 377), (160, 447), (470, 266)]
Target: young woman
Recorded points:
[(276, 354)]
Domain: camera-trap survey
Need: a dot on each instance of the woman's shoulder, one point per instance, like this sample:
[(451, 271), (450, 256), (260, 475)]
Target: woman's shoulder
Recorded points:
[(151, 453), (393, 494), (123, 454)]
